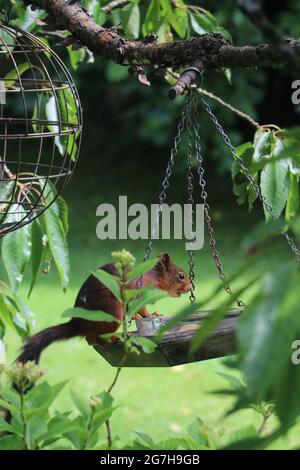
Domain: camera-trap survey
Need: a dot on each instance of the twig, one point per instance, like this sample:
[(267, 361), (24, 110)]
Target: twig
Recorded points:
[(57, 34), (24, 425), (114, 5), (109, 433), (264, 421), (240, 113), (209, 94), (254, 11), (107, 422), (123, 360), (267, 415)]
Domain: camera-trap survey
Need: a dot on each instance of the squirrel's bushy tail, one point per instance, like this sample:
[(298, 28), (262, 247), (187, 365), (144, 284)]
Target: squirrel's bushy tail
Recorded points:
[(41, 340)]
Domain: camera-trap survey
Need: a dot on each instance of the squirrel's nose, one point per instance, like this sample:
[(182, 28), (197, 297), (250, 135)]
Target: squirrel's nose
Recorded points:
[(188, 287)]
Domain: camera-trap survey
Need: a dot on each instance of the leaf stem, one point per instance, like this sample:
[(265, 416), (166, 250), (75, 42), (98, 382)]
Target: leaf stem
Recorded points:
[(24, 425)]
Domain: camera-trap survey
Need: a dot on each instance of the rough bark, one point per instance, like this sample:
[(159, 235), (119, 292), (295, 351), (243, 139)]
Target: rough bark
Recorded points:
[(210, 49)]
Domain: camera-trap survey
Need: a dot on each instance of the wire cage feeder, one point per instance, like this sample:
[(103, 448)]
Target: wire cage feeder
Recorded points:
[(40, 127)]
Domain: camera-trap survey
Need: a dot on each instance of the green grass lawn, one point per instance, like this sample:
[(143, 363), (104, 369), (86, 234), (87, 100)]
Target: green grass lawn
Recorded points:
[(161, 402)]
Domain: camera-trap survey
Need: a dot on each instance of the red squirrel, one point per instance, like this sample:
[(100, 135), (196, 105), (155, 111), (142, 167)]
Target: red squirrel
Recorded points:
[(93, 295)]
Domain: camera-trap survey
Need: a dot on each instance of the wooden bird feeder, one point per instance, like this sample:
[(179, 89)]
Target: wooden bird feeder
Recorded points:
[(173, 348)]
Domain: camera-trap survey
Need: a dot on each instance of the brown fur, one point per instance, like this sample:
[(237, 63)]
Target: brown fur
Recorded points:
[(93, 295)]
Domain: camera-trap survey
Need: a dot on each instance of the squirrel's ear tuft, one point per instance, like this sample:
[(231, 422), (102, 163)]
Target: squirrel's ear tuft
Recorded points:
[(165, 260)]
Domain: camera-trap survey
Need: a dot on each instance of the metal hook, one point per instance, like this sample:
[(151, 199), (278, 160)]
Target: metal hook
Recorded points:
[(187, 80)]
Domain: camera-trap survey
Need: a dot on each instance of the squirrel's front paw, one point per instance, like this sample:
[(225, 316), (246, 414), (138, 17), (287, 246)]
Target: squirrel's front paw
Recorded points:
[(137, 316), (156, 314)]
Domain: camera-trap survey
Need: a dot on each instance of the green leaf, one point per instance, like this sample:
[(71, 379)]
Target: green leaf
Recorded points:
[(6, 311), (211, 322), (228, 75), (147, 345), (25, 311), (58, 244), (196, 25), (145, 437), (11, 443), (58, 426), (293, 199), (236, 437), (76, 56), (7, 190), (153, 19), (36, 252), (148, 297), (39, 111), (109, 281), (63, 212), (102, 416), (35, 429), (41, 397), (66, 106), (204, 22), (12, 77), (130, 17), (109, 336), (287, 396), (92, 315), (7, 406), (98, 14), (177, 18), (106, 399), (29, 21), (274, 184), (263, 144), (12, 397), (129, 294), (265, 333), (164, 33), (142, 269), (182, 21), (2, 346), (5, 426), (233, 381), (81, 405), (263, 233), (16, 249)]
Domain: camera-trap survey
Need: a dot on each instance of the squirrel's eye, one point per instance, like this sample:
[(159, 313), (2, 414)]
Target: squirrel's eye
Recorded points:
[(181, 276)]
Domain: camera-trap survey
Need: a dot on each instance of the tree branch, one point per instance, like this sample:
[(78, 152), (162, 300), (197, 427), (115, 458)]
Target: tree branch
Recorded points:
[(254, 11), (211, 49), (114, 5)]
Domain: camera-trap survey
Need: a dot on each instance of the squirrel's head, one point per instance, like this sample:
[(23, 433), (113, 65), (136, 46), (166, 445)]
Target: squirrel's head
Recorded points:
[(170, 278)]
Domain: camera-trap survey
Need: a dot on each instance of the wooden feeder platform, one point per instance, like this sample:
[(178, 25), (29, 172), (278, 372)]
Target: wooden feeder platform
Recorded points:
[(173, 347)]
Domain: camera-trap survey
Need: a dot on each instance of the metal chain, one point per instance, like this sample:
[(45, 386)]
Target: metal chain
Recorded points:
[(202, 183), (252, 182), (166, 181), (165, 186), (190, 189)]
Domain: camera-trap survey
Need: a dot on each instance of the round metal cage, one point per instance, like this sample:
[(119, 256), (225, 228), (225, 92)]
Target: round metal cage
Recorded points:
[(40, 127)]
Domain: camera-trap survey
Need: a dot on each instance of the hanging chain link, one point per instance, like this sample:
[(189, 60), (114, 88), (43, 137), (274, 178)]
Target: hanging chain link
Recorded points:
[(166, 181), (204, 196), (190, 189), (189, 121), (252, 182), (165, 186)]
